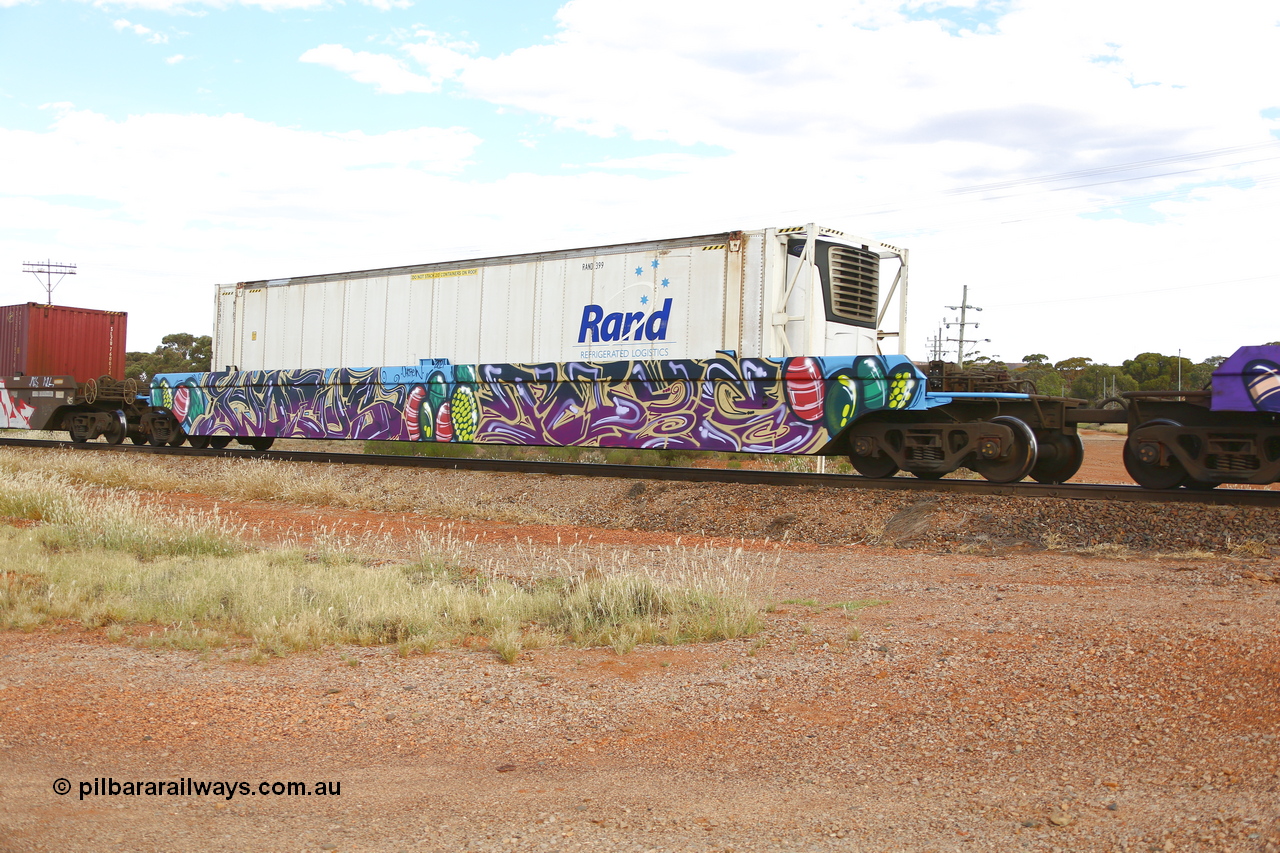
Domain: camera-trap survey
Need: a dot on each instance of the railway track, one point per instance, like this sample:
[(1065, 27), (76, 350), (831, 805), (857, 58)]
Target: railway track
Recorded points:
[(1067, 491)]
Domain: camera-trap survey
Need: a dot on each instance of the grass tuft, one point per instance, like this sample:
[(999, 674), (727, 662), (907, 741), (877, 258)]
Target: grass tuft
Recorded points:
[(108, 562)]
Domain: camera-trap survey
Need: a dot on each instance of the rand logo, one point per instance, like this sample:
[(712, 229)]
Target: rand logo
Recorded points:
[(624, 326)]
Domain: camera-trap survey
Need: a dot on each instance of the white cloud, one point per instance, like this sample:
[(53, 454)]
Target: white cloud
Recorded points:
[(195, 7), (156, 208), (655, 163), (171, 204), (175, 59), (387, 73), (865, 77), (149, 34), (863, 116), (441, 56)]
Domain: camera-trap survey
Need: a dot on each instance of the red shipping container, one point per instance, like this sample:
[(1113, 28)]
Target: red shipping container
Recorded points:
[(54, 340)]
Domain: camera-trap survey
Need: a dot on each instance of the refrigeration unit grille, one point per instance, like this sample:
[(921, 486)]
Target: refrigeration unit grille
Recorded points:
[(855, 284)]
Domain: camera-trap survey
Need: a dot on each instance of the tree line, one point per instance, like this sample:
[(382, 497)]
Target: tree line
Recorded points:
[(177, 353), (1082, 377)]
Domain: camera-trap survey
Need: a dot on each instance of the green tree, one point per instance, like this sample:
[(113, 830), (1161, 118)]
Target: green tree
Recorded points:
[(177, 353), (989, 361), (1156, 372), (1203, 372), (1094, 383), (1071, 368), (1036, 368)]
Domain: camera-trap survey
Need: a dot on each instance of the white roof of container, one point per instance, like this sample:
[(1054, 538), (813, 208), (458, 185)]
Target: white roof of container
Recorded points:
[(495, 260)]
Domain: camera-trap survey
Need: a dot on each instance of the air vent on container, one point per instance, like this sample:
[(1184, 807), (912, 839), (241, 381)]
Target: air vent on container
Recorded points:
[(855, 284)]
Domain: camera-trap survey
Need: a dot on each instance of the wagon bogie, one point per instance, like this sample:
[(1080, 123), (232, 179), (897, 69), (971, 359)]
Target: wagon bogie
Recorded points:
[(1164, 453), (1000, 439)]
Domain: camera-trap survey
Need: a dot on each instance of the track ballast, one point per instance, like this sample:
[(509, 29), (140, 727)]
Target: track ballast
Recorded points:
[(1067, 491)]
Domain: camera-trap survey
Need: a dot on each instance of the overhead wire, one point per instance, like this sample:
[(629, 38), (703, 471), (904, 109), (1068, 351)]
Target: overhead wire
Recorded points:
[(1275, 275), (1121, 167), (945, 198)]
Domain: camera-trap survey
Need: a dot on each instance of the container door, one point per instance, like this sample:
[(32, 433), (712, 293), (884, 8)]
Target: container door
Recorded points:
[(252, 308), (224, 328)]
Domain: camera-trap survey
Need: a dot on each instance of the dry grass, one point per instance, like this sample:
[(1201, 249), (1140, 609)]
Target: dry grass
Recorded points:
[(75, 518), (910, 523), (1110, 550), (255, 479), (1188, 554), (1251, 548), (104, 560), (1052, 540)]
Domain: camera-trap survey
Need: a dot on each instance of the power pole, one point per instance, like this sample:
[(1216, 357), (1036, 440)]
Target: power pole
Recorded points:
[(935, 346), (49, 269), (962, 322)]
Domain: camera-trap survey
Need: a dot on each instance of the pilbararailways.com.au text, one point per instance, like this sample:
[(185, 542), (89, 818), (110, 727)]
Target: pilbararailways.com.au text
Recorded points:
[(188, 787)]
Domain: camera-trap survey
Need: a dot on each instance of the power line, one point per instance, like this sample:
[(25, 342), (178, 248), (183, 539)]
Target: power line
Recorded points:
[(1122, 167), (924, 201), (1139, 292), (1143, 177)]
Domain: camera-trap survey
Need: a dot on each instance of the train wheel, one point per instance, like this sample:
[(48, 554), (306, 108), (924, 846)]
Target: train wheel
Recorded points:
[(873, 466), (199, 442), (138, 438), (179, 437), (1018, 459), (219, 442), (928, 475), (1150, 474), (257, 443), (1058, 459), (1200, 485), (156, 441), (117, 428)]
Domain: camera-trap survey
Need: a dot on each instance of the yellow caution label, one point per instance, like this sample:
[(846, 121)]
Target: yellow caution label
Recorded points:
[(419, 276)]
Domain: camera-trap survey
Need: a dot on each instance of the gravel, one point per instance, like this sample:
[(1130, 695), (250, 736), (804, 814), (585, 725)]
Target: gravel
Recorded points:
[(976, 693)]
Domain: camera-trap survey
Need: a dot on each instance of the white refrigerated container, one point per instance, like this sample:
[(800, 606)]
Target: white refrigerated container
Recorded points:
[(766, 293)]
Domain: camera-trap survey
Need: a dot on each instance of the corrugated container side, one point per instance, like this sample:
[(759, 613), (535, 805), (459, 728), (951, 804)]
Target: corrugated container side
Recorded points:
[(56, 340), (701, 295), (13, 339)]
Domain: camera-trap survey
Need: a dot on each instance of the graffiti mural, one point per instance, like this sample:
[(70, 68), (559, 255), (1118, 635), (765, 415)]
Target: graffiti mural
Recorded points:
[(792, 405), (15, 412), (1248, 380)]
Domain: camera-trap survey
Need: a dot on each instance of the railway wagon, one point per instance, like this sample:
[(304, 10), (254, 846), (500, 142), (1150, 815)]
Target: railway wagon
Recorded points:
[(56, 360), (1226, 433), (754, 341), (765, 341), (58, 340)]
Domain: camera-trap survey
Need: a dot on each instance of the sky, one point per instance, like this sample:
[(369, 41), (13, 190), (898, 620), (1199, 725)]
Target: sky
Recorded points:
[(1103, 176)]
